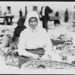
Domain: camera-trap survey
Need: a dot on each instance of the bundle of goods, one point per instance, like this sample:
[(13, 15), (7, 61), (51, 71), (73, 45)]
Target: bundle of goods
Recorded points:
[(62, 42)]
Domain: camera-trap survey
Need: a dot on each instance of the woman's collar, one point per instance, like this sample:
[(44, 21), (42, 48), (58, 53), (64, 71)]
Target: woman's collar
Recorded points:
[(33, 30)]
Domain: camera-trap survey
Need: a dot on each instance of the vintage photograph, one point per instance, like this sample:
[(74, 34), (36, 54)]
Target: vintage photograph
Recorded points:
[(37, 35)]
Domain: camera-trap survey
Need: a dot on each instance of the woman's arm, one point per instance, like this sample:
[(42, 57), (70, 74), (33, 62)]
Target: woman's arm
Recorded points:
[(48, 44)]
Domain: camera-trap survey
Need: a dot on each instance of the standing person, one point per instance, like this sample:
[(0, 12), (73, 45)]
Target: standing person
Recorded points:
[(8, 16), (7, 13), (25, 15), (57, 21), (20, 13), (66, 16), (25, 11), (45, 11), (34, 40), (0, 11), (74, 20)]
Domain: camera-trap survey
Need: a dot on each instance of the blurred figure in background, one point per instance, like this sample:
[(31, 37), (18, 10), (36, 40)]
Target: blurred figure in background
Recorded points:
[(66, 16), (44, 15), (20, 26), (20, 13), (1, 14), (8, 16), (57, 21), (0, 11), (74, 20), (25, 11)]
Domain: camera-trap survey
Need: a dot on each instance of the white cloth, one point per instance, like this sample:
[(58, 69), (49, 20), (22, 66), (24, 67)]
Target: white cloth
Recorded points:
[(32, 14)]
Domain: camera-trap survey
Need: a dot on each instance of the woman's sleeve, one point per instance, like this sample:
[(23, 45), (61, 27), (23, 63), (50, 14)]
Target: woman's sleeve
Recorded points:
[(22, 41), (48, 44)]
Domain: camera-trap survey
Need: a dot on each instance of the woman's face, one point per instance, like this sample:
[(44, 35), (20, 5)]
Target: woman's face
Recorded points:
[(33, 22)]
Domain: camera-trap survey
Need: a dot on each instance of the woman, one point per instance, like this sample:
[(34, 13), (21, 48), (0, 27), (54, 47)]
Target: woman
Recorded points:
[(66, 16), (57, 21), (34, 40)]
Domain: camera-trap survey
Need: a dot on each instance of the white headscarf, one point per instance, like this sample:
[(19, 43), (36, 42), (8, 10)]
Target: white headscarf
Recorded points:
[(32, 14)]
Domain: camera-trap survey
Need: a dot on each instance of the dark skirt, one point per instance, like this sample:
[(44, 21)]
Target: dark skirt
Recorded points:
[(56, 22), (24, 59)]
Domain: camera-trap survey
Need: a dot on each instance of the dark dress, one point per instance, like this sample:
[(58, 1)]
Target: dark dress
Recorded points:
[(20, 27), (17, 32), (57, 21), (66, 16)]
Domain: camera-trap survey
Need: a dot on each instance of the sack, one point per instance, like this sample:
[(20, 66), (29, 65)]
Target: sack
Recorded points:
[(5, 41)]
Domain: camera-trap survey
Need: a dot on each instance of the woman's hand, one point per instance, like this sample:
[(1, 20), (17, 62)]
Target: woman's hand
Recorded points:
[(46, 57), (35, 56)]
